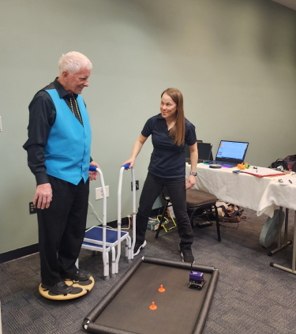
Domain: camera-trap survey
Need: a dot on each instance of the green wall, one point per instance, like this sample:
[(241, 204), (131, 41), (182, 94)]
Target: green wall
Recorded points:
[(234, 61)]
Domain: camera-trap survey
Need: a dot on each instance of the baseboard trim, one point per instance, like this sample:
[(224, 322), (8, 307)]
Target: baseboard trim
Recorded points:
[(20, 252)]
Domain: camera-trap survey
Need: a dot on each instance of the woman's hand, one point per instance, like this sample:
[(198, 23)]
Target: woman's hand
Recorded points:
[(190, 182), (129, 161)]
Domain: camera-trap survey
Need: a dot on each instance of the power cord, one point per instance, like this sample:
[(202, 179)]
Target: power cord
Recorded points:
[(94, 212)]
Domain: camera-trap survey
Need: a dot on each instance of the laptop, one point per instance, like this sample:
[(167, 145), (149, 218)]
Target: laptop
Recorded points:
[(204, 152), (230, 153)]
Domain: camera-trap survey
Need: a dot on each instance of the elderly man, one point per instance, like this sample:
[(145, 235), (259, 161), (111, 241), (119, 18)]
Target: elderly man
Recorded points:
[(58, 147)]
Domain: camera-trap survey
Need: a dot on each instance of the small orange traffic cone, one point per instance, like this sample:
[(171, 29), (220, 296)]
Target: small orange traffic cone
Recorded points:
[(153, 306), (161, 289)]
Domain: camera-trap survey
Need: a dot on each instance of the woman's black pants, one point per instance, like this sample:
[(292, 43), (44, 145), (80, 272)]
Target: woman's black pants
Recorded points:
[(177, 192)]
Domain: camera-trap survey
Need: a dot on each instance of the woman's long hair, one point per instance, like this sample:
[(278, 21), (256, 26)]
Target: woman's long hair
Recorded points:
[(178, 131)]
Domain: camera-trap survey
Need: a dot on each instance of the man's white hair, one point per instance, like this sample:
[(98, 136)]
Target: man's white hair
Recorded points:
[(73, 61)]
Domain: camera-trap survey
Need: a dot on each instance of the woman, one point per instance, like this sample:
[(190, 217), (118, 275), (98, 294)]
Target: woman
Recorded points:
[(170, 131)]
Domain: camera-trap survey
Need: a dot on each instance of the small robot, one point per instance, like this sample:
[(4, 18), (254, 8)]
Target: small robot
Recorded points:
[(196, 280)]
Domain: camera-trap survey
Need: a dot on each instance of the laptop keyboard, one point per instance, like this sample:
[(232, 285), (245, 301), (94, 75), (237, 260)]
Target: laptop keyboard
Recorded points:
[(224, 163)]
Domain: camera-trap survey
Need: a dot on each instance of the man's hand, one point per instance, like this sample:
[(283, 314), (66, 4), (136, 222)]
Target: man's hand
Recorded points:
[(43, 196), (92, 174)]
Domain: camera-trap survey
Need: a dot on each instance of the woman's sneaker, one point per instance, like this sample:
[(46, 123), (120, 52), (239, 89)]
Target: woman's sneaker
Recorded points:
[(186, 255), (138, 247)]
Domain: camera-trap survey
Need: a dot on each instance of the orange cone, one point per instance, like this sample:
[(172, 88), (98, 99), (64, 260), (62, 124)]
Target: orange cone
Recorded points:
[(161, 289), (153, 306)]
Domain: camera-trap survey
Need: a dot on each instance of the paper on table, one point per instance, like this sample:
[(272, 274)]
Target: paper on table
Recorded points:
[(262, 172)]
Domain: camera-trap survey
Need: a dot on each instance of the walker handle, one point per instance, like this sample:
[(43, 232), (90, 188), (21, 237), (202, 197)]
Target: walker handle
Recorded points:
[(126, 166), (93, 168)]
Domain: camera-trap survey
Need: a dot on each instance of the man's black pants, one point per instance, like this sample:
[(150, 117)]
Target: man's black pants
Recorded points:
[(61, 229)]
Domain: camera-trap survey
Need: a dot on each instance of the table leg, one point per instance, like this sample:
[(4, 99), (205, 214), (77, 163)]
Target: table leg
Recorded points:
[(286, 243), (292, 271)]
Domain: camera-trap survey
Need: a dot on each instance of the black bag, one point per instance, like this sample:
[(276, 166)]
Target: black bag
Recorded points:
[(291, 162), (279, 162)]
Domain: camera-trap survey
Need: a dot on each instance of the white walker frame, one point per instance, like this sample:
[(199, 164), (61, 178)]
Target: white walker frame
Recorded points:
[(99, 238)]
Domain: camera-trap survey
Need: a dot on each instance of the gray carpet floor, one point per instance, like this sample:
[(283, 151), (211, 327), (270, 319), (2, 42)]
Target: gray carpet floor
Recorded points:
[(250, 297)]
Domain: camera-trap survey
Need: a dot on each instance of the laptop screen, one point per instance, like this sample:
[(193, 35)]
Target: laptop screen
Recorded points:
[(232, 151), (204, 152)]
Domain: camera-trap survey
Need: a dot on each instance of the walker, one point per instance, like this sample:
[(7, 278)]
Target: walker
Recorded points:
[(94, 237), (102, 247)]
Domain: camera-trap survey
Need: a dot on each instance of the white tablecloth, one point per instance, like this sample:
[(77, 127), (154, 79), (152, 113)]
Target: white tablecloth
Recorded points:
[(248, 191)]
